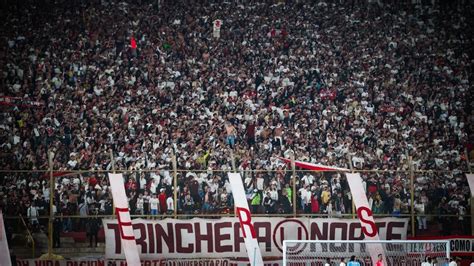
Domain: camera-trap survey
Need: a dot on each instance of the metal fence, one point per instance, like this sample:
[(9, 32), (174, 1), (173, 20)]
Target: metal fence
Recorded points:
[(437, 202)]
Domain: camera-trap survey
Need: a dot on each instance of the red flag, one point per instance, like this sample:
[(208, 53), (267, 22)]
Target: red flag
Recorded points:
[(312, 166), (133, 43)]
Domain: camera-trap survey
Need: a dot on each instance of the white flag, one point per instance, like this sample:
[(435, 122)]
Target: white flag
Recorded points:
[(246, 224), (4, 251), (125, 223), (364, 213), (470, 181)]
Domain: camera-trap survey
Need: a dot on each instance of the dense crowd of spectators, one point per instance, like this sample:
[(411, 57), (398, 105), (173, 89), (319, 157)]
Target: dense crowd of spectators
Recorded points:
[(322, 81)]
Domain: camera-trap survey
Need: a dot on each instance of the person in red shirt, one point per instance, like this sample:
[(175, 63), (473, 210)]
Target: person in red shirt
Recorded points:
[(162, 199), (92, 181), (133, 46), (379, 261)]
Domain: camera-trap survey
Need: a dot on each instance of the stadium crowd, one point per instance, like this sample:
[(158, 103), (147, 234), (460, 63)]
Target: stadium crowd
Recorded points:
[(322, 81)]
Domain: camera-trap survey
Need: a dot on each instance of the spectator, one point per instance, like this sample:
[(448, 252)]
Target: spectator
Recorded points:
[(33, 214), (154, 205), (353, 261), (256, 201), (379, 260), (57, 230), (315, 203), (92, 228), (334, 81), (170, 205), (328, 262), (269, 203), (140, 201), (419, 206), (427, 262), (343, 262), (162, 200), (188, 205)]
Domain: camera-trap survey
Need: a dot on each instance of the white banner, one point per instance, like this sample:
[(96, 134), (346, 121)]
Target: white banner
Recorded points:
[(364, 213), (124, 222), (470, 180), (4, 251), (221, 238), (246, 224)]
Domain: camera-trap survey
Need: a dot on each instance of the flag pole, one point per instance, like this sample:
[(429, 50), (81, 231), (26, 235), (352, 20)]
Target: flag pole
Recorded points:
[(232, 160)]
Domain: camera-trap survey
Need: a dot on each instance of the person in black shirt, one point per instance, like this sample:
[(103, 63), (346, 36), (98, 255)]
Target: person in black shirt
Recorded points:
[(57, 227), (92, 228)]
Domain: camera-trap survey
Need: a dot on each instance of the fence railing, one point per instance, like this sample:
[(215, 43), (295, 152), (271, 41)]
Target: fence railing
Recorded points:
[(437, 198)]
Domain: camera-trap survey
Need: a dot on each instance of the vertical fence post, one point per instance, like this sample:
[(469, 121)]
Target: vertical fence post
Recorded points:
[(175, 183), (232, 160), (51, 204), (293, 173), (412, 195)]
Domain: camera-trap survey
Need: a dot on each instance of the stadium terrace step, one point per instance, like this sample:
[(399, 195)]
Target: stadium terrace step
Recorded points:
[(66, 252)]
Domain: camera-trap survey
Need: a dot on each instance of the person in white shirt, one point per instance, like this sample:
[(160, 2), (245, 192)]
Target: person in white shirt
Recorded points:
[(452, 262), (328, 262), (154, 202), (420, 210), (140, 202), (427, 262), (33, 214), (305, 195), (343, 262), (170, 205)]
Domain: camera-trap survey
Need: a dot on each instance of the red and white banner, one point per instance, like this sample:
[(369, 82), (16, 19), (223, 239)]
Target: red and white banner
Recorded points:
[(470, 180), (4, 251), (364, 213), (313, 166), (124, 223), (223, 238), (245, 219)]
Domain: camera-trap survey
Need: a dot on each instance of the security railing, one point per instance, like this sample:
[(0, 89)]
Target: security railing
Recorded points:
[(437, 202)]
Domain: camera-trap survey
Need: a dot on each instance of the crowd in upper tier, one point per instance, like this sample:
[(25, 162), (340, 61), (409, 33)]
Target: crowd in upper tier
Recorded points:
[(374, 82)]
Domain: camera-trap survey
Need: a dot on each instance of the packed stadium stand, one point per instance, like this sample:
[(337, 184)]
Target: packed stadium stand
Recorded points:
[(376, 82)]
